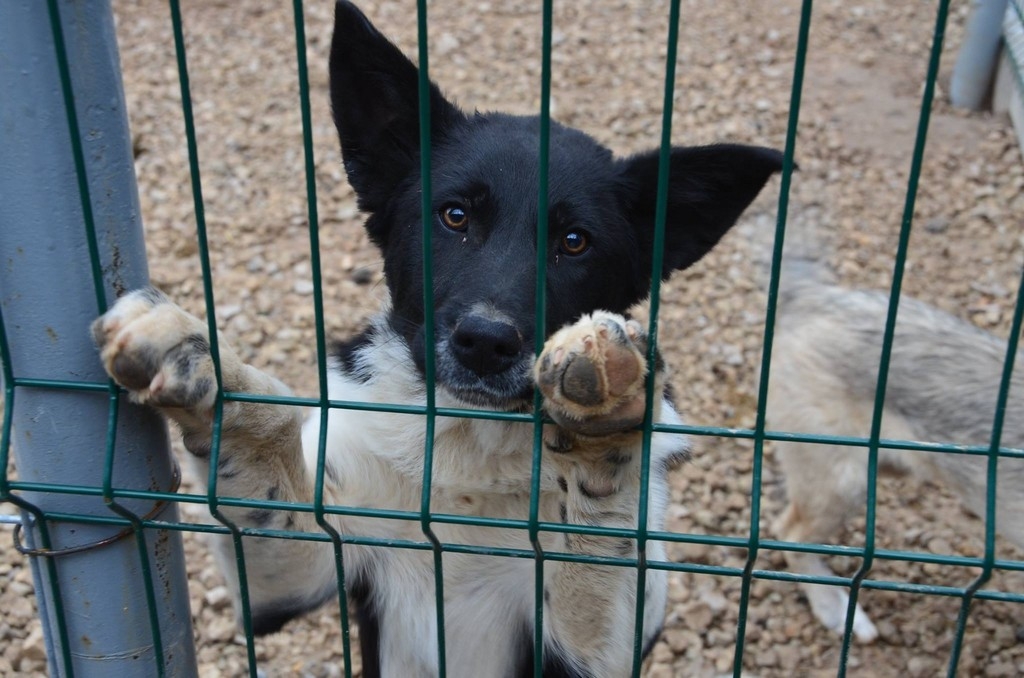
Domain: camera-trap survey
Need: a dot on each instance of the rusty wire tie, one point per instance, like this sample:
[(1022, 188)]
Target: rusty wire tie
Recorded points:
[(158, 508)]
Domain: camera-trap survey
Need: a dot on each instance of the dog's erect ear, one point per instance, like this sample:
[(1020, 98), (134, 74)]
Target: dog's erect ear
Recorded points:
[(374, 98), (709, 187)]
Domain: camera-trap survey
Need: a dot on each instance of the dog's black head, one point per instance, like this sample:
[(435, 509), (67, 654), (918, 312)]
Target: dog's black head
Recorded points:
[(484, 171)]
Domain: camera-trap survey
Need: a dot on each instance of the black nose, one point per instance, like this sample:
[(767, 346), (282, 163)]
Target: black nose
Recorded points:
[(486, 346)]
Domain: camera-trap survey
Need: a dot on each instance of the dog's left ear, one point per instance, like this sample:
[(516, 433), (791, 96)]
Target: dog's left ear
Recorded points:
[(709, 187)]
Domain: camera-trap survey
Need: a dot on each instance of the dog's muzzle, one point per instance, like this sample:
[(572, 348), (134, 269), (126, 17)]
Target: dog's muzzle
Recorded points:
[(484, 362)]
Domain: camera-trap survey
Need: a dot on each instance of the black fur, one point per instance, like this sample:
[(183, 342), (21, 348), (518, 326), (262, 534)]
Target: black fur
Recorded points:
[(272, 618), (261, 517), (651, 642), (554, 664), (487, 166), (227, 466), (199, 445), (360, 597), (347, 353)]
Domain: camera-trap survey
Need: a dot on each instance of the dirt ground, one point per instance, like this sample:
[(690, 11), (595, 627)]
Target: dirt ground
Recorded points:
[(860, 107)]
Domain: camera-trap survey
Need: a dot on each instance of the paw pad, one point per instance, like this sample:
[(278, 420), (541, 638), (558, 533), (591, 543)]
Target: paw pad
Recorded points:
[(156, 350), (592, 374)]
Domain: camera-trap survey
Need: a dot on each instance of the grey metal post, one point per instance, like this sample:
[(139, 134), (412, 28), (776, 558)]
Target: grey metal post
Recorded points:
[(48, 301), (975, 67)]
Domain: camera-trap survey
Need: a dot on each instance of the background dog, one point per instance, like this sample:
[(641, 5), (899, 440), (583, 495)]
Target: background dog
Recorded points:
[(942, 387), (591, 373)]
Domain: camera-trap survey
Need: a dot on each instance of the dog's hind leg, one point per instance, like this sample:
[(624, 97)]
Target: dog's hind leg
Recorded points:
[(161, 354), (826, 484), (820, 504), (592, 375)]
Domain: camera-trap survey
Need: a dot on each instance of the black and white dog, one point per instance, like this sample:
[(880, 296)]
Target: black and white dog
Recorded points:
[(591, 374)]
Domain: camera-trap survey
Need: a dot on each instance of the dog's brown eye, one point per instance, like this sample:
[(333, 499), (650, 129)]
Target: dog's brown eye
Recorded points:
[(454, 217), (574, 243)]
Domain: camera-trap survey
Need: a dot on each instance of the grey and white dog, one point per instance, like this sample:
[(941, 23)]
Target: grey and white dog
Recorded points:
[(942, 387)]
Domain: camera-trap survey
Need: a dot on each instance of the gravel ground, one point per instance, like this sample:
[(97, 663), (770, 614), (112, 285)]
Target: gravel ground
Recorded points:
[(863, 84)]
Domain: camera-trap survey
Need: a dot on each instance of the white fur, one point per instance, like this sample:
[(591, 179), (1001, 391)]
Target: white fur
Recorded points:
[(481, 467)]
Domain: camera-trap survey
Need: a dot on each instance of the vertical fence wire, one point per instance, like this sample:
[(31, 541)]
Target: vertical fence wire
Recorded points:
[(113, 395), (204, 258), (788, 165), (89, 223), (540, 333), (133, 518), (657, 268), (38, 517), (430, 416), (991, 485), (321, 339), (890, 329)]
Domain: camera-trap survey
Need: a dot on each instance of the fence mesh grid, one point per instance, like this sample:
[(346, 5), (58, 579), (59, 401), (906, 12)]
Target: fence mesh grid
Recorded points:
[(141, 526)]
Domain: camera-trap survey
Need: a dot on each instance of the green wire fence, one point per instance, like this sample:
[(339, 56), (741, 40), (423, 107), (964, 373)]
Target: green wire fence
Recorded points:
[(142, 528)]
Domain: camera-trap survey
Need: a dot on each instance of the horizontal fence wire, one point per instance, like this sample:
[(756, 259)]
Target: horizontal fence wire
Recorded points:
[(685, 429), (754, 544), (672, 566)]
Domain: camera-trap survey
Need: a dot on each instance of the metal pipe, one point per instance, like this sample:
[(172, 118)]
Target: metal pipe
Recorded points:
[(116, 623), (975, 67)]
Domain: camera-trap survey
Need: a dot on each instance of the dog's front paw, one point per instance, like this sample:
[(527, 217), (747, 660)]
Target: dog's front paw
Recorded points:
[(157, 351), (592, 374)]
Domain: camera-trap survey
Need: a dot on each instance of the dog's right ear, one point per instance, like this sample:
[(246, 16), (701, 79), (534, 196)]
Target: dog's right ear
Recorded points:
[(376, 107)]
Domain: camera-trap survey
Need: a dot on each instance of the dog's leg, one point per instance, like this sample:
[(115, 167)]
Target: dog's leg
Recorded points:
[(161, 354), (592, 375), (820, 502)]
